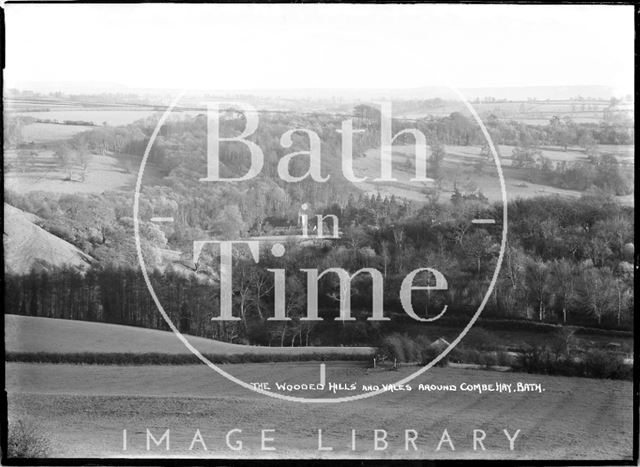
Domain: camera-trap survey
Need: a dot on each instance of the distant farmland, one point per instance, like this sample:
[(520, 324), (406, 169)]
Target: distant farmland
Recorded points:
[(111, 117), (42, 172), (46, 132), (459, 169), (533, 112), (99, 117)]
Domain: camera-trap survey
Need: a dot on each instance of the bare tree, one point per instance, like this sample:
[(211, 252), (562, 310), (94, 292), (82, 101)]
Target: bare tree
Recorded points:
[(537, 284), (295, 300), (597, 292), (562, 284), (64, 156), (478, 246), (624, 287), (262, 286)]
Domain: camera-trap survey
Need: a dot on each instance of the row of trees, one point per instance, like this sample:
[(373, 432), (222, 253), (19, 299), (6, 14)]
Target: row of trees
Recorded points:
[(588, 237), (566, 261), (601, 171), (459, 129), (180, 148)]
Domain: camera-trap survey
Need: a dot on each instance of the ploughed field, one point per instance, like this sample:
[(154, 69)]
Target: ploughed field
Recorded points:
[(83, 410)]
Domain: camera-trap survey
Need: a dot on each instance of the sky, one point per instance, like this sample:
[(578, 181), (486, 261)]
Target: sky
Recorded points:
[(320, 46)]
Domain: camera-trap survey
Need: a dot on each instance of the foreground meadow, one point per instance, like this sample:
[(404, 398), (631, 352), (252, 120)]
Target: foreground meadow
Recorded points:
[(83, 410)]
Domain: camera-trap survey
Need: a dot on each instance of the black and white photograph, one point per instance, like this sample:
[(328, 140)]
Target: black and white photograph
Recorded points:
[(318, 231)]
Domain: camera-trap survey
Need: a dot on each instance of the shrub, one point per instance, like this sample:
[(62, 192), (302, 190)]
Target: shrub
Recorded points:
[(59, 230), (412, 351), (480, 339), (392, 347), (561, 342), (424, 344), (406, 349), (430, 354), (504, 359), (595, 364), (599, 364), (25, 441), (537, 360), (488, 359)]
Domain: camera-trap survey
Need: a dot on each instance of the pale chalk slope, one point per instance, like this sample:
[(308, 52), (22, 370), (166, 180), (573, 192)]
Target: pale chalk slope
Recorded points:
[(28, 246)]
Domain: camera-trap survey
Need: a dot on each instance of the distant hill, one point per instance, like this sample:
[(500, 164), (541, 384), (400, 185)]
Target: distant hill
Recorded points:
[(28, 246), (516, 93)]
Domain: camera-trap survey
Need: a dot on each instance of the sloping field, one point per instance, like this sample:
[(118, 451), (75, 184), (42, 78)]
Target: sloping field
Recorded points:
[(47, 132), (112, 117), (43, 173), (83, 410), (459, 169), (35, 334), (28, 246)]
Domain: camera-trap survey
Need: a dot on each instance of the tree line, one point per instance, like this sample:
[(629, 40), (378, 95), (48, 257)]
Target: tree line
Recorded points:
[(566, 261)]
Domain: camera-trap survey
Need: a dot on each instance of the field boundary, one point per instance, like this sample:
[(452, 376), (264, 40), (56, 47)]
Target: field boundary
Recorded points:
[(90, 358)]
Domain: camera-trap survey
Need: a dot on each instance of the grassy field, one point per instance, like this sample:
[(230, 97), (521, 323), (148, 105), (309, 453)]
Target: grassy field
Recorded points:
[(108, 172), (43, 173), (114, 116), (121, 116), (33, 334), (83, 410), (46, 132), (459, 169), (537, 112)]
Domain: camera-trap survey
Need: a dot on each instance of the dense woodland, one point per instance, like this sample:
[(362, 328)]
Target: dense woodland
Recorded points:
[(566, 260)]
